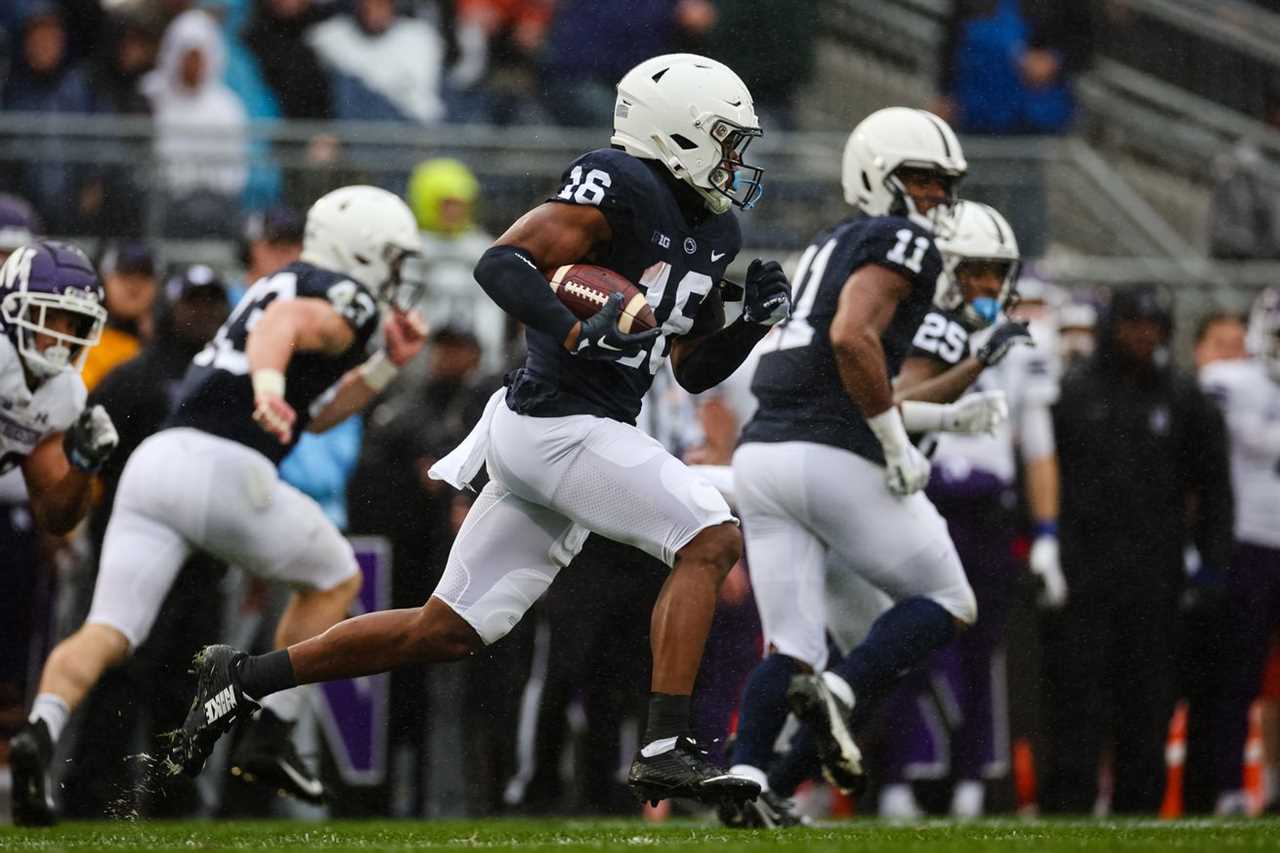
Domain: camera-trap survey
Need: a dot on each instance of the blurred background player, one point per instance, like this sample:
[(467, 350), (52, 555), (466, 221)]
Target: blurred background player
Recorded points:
[(828, 436), (1248, 391), (208, 481), (657, 209), (1136, 440), (51, 313), (973, 484)]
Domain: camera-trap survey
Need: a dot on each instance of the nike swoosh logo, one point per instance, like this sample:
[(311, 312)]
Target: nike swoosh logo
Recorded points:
[(603, 344), (310, 787), (715, 256)]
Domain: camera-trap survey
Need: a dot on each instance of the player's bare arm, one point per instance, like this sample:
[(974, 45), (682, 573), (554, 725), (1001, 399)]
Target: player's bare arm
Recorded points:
[(59, 493), (931, 381), (867, 303), (289, 325), (405, 333)]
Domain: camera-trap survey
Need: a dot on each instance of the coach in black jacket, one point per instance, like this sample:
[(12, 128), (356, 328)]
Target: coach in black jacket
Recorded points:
[(1144, 462)]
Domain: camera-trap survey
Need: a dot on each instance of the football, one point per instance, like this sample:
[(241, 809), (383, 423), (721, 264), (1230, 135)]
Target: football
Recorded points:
[(584, 289)]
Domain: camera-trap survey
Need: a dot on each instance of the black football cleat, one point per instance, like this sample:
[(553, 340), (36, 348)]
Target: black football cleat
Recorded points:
[(218, 704), (827, 717), (30, 754), (267, 756), (767, 811), (685, 772)]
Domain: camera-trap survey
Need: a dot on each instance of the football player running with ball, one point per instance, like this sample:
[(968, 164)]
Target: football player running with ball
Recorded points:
[(293, 356), (825, 468), (563, 456)]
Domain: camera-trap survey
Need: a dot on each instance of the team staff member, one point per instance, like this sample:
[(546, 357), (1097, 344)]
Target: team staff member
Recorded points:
[(1138, 443)]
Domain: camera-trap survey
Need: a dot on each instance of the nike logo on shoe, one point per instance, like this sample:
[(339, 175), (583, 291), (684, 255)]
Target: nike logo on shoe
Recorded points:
[(604, 344), (220, 705), (715, 256), (311, 787)]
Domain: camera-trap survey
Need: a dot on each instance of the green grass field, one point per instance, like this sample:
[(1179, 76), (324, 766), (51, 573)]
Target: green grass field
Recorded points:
[(565, 835)]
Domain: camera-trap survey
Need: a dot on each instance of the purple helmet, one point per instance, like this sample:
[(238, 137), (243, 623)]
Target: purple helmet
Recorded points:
[(18, 223), (41, 284)]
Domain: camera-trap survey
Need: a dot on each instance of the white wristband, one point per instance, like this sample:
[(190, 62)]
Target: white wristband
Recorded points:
[(268, 380), (919, 416), (890, 430), (378, 371)]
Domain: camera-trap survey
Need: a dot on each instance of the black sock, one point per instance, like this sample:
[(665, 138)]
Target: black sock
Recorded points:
[(262, 675), (668, 717)]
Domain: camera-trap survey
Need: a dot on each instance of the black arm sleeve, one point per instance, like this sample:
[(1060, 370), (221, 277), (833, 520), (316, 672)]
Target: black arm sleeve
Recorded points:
[(718, 355), (1210, 477), (513, 281)]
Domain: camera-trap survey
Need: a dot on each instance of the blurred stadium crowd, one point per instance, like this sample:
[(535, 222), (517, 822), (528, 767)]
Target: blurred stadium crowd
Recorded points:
[(1062, 700)]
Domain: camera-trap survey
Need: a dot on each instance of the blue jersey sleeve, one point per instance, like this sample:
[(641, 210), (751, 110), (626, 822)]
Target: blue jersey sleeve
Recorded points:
[(351, 299), (611, 181)]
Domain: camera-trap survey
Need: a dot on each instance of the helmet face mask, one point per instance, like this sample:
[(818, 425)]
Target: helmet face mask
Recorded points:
[(42, 285), (975, 238), (696, 117)]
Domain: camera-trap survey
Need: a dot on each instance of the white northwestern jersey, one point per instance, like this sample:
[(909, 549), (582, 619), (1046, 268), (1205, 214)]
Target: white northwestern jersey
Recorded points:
[(1028, 377), (1250, 402), (29, 417)]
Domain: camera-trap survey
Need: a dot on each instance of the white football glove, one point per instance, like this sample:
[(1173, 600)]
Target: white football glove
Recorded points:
[(906, 468), (973, 413), (1045, 565), (89, 441)]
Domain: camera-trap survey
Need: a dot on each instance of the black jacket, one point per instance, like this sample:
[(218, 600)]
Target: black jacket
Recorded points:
[(1144, 469)]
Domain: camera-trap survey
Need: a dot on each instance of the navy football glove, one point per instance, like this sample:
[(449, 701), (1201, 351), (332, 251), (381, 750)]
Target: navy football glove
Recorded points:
[(600, 339), (766, 299), (1001, 341), (90, 440)]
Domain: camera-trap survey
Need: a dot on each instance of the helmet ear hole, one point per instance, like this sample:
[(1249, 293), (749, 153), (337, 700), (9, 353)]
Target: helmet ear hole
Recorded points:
[(683, 141), (866, 182)]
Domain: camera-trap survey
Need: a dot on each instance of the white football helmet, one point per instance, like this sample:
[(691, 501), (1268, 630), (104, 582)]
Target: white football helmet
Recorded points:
[(894, 138), (1263, 338), (366, 233), (976, 232), (696, 117)]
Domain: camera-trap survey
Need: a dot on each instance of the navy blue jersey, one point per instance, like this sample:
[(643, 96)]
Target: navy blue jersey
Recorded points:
[(677, 265), (797, 384), (216, 395), (942, 336)]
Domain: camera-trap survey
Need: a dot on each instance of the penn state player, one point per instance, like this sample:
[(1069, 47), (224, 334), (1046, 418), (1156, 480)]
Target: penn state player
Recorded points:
[(1248, 392), (292, 356), (563, 456), (825, 465), (51, 314)]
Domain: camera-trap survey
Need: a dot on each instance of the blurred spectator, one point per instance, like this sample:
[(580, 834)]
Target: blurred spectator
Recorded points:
[(383, 66), (592, 44), (1007, 65), (1138, 444), (113, 199), (442, 194), (201, 129), (772, 47), (1244, 217), (144, 691), (496, 80), (18, 224), (322, 463), (275, 35), (1077, 323), (269, 242), (43, 79), (1220, 337), (1006, 68), (128, 271)]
